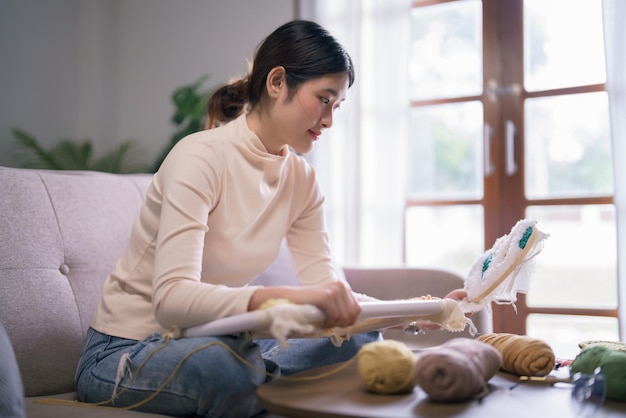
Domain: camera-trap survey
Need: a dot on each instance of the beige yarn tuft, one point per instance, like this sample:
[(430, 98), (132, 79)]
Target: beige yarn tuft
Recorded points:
[(522, 355), (270, 303), (386, 367)]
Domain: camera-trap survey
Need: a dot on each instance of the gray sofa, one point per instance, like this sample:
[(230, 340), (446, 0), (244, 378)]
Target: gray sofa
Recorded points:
[(60, 234)]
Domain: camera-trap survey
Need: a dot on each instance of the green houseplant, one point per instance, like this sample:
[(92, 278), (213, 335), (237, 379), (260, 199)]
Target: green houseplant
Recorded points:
[(69, 154), (190, 109)]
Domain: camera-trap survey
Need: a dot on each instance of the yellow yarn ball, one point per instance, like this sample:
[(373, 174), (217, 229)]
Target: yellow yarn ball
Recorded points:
[(270, 303), (387, 367)]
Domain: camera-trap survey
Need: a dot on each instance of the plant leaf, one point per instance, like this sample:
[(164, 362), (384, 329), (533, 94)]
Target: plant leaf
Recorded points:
[(190, 108), (72, 155), (35, 156), (122, 159)]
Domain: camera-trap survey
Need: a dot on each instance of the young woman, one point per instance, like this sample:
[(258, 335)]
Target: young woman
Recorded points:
[(213, 219)]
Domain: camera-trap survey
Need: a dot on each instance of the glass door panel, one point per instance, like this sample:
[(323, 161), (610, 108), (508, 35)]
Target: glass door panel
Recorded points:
[(563, 44), (446, 151), (568, 146), (446, 236), (564, 332), (577, 267), (446, 50)]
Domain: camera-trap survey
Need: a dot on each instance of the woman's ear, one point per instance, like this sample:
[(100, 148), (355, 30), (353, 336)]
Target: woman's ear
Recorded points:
[(276, 81)]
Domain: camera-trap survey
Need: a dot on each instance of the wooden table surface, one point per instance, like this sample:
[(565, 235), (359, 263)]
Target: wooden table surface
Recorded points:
[(342, 395)]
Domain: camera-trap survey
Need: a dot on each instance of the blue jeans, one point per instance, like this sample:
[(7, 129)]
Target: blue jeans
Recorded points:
[(207, 382)]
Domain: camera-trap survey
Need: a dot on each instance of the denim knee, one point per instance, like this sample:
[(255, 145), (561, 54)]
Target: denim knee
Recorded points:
[(204, 376), (305, 353)]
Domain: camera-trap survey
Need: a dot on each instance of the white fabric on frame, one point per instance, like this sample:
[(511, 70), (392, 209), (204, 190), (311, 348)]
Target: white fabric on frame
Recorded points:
[(614, 16), (361, 161)]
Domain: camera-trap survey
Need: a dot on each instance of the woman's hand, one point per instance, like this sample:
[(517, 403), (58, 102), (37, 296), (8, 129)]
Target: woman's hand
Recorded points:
[(335, 298), (457, 294)]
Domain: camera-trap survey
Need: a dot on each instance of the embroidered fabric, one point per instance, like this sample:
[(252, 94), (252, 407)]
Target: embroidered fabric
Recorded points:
[(503, 271)]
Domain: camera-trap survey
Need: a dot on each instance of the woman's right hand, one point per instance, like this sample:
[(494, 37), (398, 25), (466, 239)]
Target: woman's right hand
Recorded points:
[(335, 299)]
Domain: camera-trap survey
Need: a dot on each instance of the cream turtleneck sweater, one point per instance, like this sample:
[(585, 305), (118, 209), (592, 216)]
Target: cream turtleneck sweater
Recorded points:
[(213, 219)]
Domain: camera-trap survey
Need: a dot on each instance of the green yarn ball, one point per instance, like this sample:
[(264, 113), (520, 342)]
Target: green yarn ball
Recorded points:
[(588, 359), (613, 365)]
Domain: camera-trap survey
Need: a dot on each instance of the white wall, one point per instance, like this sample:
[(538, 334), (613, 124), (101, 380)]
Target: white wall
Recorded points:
[(105, 69)]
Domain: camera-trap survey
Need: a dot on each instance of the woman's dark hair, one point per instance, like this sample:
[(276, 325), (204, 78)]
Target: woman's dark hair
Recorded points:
[(303, 48)]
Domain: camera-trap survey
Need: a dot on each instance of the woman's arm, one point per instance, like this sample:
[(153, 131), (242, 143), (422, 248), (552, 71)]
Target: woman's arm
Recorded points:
[(336, 299)]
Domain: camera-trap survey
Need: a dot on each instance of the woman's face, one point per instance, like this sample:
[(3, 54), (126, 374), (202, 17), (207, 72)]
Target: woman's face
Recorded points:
[(299, 121)]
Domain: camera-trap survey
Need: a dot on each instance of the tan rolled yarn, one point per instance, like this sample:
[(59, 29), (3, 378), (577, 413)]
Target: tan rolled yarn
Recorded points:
[(522, 355), (458, 370)]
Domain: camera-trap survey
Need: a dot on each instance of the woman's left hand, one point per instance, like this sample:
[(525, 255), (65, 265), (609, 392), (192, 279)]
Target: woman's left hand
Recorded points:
[(457, 294)]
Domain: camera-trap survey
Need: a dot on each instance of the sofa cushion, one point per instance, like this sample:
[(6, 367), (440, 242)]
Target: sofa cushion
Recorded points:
[(60, 236), (54, 407)]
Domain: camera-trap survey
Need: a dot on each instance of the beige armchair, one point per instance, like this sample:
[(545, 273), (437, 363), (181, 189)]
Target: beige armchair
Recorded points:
[(407, 282)]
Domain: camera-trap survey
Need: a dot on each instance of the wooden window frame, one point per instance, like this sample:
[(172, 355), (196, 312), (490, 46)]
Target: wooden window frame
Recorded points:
[(504, 200)]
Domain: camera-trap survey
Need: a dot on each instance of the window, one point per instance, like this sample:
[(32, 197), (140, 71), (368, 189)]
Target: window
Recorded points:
[(509, 120)]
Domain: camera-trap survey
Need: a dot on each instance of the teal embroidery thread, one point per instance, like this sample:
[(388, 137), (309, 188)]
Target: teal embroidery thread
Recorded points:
[(486, 264), (524, 240)]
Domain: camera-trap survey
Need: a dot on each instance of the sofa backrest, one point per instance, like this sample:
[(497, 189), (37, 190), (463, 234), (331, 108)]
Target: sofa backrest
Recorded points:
[(60, 234)]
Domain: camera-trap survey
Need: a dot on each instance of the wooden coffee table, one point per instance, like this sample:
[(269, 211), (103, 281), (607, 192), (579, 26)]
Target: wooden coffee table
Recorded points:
[(343, 395)]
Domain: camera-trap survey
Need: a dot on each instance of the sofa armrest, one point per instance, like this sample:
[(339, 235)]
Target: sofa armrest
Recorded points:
[(407, 282)]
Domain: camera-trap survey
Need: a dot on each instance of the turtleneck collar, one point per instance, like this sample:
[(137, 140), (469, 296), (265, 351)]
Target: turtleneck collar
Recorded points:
[(255, 150)]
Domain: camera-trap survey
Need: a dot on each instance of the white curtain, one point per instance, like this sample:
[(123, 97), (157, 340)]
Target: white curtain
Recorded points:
[(614, 16), (361, 161)]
